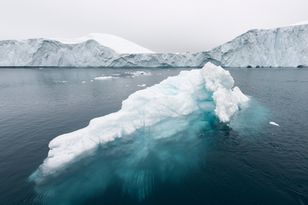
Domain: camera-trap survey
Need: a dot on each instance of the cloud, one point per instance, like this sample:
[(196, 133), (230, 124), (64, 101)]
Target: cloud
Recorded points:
[(161, 25)]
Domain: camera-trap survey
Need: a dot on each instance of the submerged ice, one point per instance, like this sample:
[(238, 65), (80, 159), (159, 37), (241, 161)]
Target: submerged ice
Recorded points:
[(153, 137)]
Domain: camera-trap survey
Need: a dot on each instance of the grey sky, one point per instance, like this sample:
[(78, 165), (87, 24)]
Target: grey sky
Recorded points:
[(160, 25)]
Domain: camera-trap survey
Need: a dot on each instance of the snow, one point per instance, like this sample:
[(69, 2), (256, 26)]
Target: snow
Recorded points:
[(208, 90), (118, 44), (300, 23), (274, 124)]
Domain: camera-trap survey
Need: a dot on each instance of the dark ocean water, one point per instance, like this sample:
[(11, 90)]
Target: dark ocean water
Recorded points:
[(257, 164)]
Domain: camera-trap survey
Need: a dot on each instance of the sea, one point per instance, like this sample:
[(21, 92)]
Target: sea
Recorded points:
[(261, 159)]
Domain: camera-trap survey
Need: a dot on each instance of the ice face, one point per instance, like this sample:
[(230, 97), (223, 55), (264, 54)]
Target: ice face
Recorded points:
[(155, 136), (89, 52), (279, 47)]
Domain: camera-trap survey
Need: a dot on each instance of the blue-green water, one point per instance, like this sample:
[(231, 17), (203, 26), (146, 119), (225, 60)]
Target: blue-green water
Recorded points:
[(255, 164)]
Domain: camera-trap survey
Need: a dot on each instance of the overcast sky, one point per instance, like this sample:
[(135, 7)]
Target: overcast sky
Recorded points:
[(160, 25)]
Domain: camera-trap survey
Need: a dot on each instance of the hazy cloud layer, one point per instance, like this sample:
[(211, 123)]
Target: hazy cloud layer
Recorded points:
[(161, 25)]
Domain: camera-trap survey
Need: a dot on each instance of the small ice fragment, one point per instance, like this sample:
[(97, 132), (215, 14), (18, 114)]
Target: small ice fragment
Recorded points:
[(138, 73), (83, 82), (62, 81), (274, 123), (142, 85), (104, 78)]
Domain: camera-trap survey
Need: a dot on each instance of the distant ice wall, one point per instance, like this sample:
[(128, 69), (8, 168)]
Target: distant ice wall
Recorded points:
[(279, 47)]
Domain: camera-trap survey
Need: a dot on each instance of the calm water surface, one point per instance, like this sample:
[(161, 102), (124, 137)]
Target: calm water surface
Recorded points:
[(265, 167)]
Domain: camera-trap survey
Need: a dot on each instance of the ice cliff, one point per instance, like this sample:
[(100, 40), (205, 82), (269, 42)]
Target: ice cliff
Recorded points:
[(42, 52), (279, 47), (90, 51)]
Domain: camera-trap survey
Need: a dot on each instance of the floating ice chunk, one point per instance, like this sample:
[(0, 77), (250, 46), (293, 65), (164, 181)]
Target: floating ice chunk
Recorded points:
[(61, 81), (139, 73), (142, 85), (209, 90), (105, 78), (274, 124), (83, 82)]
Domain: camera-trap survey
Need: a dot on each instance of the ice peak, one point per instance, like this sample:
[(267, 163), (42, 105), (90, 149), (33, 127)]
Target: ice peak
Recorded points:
[(118, 44)]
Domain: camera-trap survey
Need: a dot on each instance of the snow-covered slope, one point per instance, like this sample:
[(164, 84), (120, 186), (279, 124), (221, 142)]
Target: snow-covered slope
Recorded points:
[(118, 44), (165, 109), (279, 47)]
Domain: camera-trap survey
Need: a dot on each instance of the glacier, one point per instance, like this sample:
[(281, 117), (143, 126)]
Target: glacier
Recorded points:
[(49, 53), (279, 47), (89, 53)]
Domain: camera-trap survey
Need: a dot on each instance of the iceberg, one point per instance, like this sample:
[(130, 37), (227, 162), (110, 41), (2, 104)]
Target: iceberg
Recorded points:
[(160, 135), (208, 91)]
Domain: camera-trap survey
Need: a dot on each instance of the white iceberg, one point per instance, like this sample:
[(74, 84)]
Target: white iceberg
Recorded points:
[(208, 90)]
